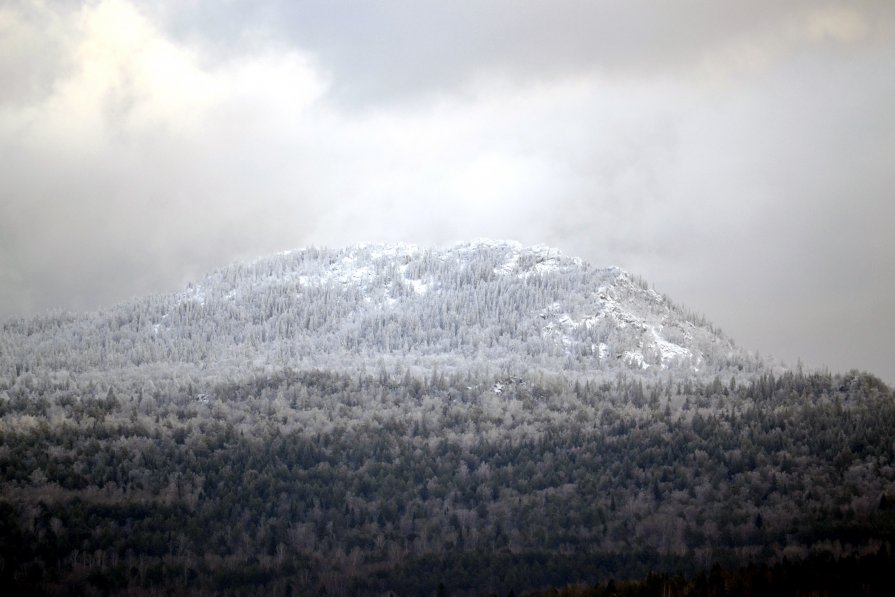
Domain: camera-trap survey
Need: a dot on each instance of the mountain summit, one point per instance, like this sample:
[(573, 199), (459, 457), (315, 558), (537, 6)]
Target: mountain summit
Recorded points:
[(496, 305)]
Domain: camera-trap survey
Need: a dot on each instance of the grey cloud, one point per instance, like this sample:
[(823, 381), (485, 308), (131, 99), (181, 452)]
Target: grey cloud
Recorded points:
[(746, 174), (32, 49), (777, 214), (109, 191), (396, 49)]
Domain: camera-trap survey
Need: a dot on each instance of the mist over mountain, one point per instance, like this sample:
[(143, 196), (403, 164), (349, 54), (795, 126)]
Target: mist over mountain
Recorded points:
[(379, 419)]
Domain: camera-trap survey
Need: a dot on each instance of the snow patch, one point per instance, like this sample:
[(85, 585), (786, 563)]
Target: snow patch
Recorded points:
[(635, 358), (668, 351), (195, 293), (418, 286)]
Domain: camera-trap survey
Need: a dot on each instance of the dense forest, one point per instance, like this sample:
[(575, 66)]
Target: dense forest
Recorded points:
[(379, 419), (819, 574), (312, 481), (496, 307)]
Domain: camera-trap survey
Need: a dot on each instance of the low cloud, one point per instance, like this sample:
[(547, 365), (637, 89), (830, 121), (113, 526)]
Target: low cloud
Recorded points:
[(740, 161)]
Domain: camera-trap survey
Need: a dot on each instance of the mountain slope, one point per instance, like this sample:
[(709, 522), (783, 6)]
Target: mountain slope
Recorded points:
[(492, 304), (384, 419)]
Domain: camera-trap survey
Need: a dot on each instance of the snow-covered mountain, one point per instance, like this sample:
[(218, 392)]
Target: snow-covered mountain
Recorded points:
[(487, 305)]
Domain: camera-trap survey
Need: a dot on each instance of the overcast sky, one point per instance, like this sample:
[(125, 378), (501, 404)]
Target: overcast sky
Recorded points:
[(738, 155)]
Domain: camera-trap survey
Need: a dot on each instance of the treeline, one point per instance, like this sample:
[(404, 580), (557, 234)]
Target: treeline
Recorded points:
[(300, 482)]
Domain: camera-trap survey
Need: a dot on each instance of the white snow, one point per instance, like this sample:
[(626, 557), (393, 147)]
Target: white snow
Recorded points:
[(602, 314), (623, 305), (668, 350), (196, 294), (418, 286), (510, 265), (635, 358)]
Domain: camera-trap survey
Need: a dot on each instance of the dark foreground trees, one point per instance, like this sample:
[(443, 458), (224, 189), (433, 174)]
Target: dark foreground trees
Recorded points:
[(297, 483), (819, 574)]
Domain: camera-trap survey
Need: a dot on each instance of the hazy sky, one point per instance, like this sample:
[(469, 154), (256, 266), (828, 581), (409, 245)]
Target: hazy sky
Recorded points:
[(738, 155)]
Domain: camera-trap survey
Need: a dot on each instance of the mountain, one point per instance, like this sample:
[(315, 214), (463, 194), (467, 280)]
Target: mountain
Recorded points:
[(383, 419), (487, 305)]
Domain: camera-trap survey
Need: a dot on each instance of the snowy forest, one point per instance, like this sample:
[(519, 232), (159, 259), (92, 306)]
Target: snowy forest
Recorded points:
[(383, 419)]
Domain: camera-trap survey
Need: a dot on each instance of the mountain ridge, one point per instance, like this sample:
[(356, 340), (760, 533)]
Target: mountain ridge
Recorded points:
[(485, 303)]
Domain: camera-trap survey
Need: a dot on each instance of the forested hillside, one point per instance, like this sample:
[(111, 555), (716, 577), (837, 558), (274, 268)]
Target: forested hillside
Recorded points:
[(487, 306), (384, 419), (318, 480)]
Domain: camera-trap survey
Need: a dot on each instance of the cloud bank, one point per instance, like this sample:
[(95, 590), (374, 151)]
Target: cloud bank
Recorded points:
[(739, 158)]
